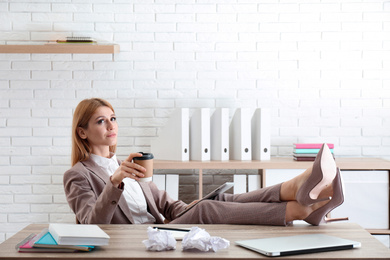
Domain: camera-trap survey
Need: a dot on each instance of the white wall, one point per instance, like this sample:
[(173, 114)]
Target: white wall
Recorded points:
[(321, 66)]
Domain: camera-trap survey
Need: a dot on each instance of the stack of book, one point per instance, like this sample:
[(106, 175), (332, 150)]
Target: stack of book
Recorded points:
[(64, 238), (77, 40), (308, 152)]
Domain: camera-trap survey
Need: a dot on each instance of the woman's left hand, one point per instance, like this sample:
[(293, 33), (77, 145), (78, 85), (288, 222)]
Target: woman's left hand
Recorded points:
[(128, 169)]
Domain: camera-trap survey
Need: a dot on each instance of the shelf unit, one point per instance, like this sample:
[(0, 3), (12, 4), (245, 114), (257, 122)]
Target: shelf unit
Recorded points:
[(60, 48), (351, 164), (274, 163)]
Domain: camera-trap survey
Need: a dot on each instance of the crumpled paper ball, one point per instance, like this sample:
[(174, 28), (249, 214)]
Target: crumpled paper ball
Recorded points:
[(199, 239), (159, 240)]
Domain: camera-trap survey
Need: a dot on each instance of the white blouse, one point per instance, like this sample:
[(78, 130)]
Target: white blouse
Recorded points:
[(132, 191)]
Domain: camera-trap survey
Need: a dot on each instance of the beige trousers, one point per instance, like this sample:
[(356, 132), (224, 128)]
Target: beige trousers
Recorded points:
[(259, 207)]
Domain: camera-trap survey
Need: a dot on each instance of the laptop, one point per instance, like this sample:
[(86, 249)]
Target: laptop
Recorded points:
[(300, 244), (221, 189)]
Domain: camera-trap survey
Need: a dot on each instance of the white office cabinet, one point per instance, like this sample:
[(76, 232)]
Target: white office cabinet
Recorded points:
[(159, 180), (169, 183), (366, 199), (254, 182), (276, 176), (172, 185), (366, 195), (239, 183), (384, 239)]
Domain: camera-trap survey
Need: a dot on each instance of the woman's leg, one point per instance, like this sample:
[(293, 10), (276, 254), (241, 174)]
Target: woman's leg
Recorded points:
[(285, 191), (267, 194), (223, 212), (296, 211), (289, 189), (251, 213), (260, 207)]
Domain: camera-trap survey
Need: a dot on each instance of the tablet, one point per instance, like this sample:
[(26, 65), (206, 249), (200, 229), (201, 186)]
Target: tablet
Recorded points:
[(221, 189)]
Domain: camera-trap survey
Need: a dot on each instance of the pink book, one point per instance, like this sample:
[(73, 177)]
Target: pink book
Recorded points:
[(26, 246), (312, 146)]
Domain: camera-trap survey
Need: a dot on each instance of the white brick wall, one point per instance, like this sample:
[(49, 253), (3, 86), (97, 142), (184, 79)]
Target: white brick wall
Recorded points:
[(323, 67)]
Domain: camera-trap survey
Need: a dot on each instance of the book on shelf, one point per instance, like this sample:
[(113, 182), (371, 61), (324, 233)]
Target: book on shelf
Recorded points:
[(314, 155), (77, 234), (46, 240), (307, 159), (309, 151), (26, 246), (311, 145), (75, 43), (77, 40)]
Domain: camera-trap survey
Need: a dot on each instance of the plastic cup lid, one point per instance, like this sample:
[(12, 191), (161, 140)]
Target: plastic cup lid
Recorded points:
[(145, 156)]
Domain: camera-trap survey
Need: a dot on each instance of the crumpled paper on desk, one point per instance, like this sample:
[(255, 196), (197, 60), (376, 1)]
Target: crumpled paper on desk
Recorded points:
[(199, 239), (159, 240)]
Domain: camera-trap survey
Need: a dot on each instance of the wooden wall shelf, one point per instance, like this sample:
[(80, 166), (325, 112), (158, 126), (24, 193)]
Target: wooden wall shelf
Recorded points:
[(275, 163), (60, 48)]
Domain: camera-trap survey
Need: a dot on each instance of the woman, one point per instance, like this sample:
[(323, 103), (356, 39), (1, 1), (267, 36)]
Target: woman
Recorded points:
[(100, 189)]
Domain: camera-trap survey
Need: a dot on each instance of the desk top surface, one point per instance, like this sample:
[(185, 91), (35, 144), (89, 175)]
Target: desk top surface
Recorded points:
[(126, 243)]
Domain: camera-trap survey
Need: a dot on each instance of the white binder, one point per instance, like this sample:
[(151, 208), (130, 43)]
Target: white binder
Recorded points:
[(261, 134), (239, 183), (240, 135), (200, 135), (219, 135), (173, 140), (254, 182), (172, 185), (159, 180)]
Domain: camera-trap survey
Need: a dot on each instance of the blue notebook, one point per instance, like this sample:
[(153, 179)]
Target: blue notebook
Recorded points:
[(313, 151)]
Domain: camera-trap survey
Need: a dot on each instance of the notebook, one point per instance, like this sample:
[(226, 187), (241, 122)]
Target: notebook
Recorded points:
[(46, 240), (301, 244), (73, 234), (221, 189)]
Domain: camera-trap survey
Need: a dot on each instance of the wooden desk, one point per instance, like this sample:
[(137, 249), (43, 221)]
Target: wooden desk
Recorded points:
[(126, 243)]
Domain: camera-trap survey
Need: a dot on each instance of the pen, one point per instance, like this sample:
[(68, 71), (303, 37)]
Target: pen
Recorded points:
[(173, 229)]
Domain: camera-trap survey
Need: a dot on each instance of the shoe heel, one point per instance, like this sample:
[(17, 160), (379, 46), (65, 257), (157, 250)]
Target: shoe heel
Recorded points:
[(328, 220)]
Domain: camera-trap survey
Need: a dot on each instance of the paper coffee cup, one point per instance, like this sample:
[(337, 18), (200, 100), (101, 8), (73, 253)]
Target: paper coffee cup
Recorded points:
[(146, 161)]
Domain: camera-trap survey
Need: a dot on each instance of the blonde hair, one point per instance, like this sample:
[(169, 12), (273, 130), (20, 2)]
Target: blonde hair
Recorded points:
[(82, 114)]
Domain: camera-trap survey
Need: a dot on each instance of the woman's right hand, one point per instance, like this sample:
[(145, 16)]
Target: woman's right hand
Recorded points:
[(128, 169)]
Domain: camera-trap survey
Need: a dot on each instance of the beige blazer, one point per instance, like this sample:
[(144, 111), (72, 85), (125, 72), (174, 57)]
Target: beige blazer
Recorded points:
[(94, 199)]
